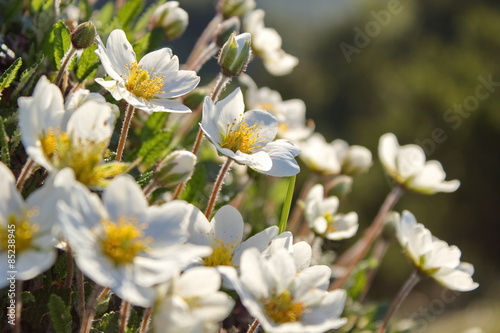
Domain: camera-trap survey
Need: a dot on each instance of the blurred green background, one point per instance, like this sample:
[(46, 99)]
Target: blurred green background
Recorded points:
[(418, 64)]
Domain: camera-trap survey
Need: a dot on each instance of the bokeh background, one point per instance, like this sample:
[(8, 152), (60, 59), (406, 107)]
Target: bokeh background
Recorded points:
[(413, 71)]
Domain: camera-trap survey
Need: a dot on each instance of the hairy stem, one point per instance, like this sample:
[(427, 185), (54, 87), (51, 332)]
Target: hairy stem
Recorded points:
[(129, 114), (26, 172), (217, 186)]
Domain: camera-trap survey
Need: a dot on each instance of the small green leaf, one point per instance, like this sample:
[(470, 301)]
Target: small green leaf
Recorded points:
[(10, 74), (60, 314), (4, 144), (129, 11), (109, 323), (154, 149), (59, 42), (145, 18), (27, 297), (87, 64), (153, 125), (196, 185), (27, 75)]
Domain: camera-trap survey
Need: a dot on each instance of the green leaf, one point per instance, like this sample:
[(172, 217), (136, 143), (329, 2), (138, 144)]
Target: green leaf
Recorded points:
[(109, 323), (27, 75), (59, 42), (154, 149), (10, 74), (4, 143), (153, 125), (27, 297), (196, 185), (87, 64), (145, 18), (60, 314), (129, 11)]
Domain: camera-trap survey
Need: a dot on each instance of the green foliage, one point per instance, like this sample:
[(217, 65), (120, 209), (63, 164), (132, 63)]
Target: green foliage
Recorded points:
[(4, 143), (195, 187), (87, 64), (108, 323), (10, 74), (129, 11), (28, 77), (154, 149), (60, 314), (58, 43)]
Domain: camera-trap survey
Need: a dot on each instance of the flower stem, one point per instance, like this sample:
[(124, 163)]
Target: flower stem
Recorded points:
[(129, 114), (19, 306), (202, 42), (90, 309), (220, 84), (204, 56), (403, 292), (370, 235), (66, 59), (81, 293), (217, 186), (150, 188), (293, 223), (124, 315), (378, 253), (286, 205), (254, 326), (70, 268), (145, 320), (26, 172)]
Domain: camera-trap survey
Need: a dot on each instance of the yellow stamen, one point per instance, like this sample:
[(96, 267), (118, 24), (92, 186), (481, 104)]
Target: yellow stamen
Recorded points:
[(122, 241), (222, 254), (23, 231), (330, 222), (141, 84), (53, 141), (282, 308), (240, 136)]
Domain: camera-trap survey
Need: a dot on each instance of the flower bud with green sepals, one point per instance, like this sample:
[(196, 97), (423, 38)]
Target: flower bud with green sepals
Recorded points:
[(235, 54), (171, 18), (176, 168), (230, 8), (83, 36)]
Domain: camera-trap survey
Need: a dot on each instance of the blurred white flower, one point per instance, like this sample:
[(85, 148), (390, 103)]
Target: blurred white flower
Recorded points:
[(27, 242), (285, 300), (173, 19), (321, 215), (432, 256), (192, 303), (266, 44), (247, 137), (123, 244), (224, 234), (291, 114), (407, 166), (301, 251), (77, 137), (148, 85)]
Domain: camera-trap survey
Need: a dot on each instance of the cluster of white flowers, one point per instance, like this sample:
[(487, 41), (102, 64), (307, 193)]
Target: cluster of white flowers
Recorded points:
[(189, 266)]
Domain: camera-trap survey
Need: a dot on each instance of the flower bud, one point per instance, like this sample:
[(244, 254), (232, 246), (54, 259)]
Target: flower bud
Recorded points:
[(235, 54), (357, 160), (176, 168), (230, 8), (173, 19), (225, 30), (340, 186), (389, 231), (83, 36)]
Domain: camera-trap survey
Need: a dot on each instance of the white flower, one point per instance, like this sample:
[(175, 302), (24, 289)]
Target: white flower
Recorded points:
[(407, 166), (320, 213), (173, 19), (123, 244), (224, 234), (192, 303), (77, 137), (27, 244), (301, 251), (285, 300), (248, 137), (432, 256), (291, 114), (353, 159), (148, 85), (266, 43)]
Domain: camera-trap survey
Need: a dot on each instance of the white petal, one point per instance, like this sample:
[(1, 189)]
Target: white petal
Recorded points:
[(253, 275), (124, 197), (282, 154), (117, 54), (30, 263), (388, 148), (455, 279), (266, 123), (10, 198), (228, 226), (410, 160), (260, 241), (112, 87), (189, 283), (229, 109), (431, 179), (302, 255), (92, 122)]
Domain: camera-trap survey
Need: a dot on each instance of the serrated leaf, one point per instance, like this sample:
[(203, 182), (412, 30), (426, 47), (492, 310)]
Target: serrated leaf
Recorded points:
[(26, 76), (60, 314), (10, 74), (109, 323), (87, 64), (196, 185), (58, 43), (4, 144), (153, 125), (155, 148), (129, 11), (145, 18), (27, 297)]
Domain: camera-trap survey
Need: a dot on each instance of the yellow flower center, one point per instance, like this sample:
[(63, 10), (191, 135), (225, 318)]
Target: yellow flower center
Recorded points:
[(22, 230), (329, 219), (123, 240), (53, 142), (141, 84), (220, 256), (282, 308), (240, 136)]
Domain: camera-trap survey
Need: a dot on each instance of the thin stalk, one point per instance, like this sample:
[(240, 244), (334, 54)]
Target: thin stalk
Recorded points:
[(81, 293), (217, 186), (379, 251), (26, 172), (287, 204), (293, 223), (146, 316), (372, 233), (254, 326), (220, 84), (70, 264), (129, 114), (403, 292), (19, 306), (124, 315), (203, 41), (150, 188), (90, 309), (66, 59), (204, 56)]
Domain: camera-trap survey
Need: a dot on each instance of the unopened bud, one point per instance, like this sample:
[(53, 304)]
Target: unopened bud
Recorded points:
[(176, 168), (389, 231), (340, 186), (230, 8), (225, 30), (83, 36), (235, 54), (171, 18), (357, 160)]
